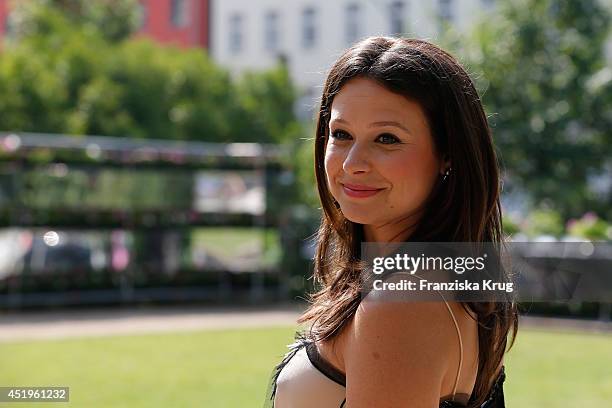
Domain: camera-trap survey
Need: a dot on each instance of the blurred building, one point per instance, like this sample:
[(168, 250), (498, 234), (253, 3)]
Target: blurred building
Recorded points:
[(3, 17), (181, 22), (310, 35)]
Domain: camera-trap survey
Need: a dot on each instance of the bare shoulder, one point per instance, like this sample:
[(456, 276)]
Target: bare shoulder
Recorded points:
[(398, 352), (403, 327)]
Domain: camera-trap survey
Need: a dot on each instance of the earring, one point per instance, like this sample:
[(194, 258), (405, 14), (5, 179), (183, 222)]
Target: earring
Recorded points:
[(446, 174)]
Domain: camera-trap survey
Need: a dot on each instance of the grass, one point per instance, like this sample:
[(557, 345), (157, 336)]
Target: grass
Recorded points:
[(231, 368), (197, 369), (559, 370)]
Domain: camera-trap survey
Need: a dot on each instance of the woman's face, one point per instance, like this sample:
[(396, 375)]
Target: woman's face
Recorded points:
[(380, 158)]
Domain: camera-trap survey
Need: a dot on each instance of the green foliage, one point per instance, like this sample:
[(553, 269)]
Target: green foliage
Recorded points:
[(148, 91), (590, 227), (116, 20), (268, 99), (68, 70), (510, 227), (548, 89), (30, 92), (58, 186), (543, 222)]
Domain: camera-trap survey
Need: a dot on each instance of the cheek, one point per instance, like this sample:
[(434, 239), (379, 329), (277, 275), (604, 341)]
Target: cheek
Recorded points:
[(413, 175), (333, 162)]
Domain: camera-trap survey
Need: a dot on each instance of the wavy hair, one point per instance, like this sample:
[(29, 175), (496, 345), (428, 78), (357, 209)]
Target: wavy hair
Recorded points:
[(464, 208)]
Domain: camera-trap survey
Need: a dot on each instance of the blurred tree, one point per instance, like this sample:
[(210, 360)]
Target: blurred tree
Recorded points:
[(510, 227), (154, 92), (116, 20), (268, 99), (590, 227), (541, 68), (543, 222), (70, 66), (69, 69)]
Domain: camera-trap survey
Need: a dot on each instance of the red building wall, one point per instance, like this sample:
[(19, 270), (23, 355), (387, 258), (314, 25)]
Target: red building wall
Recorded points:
[(158, 24), (3, 15)]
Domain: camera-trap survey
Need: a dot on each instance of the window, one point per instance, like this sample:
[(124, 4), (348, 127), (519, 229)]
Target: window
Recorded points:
[(8, 26), (353, 23), (396, 18), (179, 13), (309, 34), (235, 33), (143, 15), (446, 10), (271, 34)]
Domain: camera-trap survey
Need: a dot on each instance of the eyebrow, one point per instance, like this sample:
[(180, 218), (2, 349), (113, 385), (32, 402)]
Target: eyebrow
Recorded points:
[(380, 123)]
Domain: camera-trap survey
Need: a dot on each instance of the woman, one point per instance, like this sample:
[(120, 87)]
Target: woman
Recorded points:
[(403, 152)]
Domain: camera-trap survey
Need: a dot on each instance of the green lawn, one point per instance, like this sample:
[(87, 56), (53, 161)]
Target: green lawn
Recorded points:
[(231, 368), (559, 370)]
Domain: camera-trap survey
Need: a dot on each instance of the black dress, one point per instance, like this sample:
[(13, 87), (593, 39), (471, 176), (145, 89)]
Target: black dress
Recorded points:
[(495, 399)]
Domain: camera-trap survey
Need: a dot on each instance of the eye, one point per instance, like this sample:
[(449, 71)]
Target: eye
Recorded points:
[(388, 138), (339, 135)]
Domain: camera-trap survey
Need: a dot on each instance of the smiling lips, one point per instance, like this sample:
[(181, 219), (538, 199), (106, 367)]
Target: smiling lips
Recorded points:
[(360, 191)]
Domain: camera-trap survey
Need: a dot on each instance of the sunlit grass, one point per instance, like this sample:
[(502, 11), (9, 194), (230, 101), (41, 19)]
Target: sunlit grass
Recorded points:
[(559, 370), (231, 368)]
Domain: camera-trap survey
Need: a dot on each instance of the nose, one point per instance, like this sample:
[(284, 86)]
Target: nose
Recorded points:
[(357, 160)]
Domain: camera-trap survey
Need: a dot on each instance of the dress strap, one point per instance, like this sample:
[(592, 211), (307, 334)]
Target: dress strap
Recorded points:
[(460, 347), (324, 366)]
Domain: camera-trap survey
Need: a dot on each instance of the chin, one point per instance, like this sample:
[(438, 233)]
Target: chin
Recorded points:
[(358, 217)]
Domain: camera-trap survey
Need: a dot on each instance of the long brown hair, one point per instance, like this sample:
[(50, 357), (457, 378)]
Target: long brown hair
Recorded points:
[(463, 208)]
